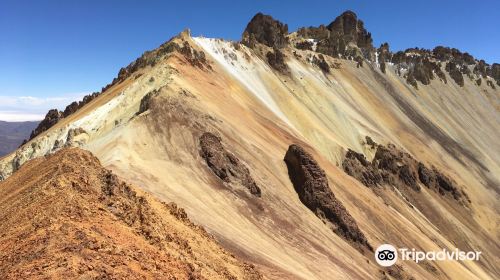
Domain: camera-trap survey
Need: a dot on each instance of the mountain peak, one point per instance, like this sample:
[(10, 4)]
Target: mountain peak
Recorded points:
[(351, 29), (266, 30)]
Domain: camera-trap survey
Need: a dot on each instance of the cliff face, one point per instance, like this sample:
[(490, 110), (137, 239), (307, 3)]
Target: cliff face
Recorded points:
[(266, 30), (433, 183), (345, 37)]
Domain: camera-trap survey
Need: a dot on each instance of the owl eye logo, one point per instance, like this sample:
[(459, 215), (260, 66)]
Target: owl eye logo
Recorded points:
[(386, 255)]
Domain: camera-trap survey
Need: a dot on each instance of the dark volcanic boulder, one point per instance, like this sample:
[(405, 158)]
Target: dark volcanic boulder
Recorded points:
[(481, 69), (425, 175), (346, 36), (408, 177), (351, 29), (453, 69), (52, 117), (276, 60), (444, 182), (384, 55), (266, 30), (304, 45), (226, 165), (311, 184), (495, 72), (446, 54), (356, 165), (71, 108), (75, 106), (386, 158), (194, 57), (401, 165), (394, 167), (423, 72), (321, 63), (410, 79)]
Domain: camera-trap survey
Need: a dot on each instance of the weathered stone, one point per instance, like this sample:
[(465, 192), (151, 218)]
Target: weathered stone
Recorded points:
[(383, 55), (321, 63), (51, 118), (370, 142), (410, 79), (266, 30), (453, 69), (408, 177), (276, 60), (394, 167), (425, 175), (352, 29), (356, 165), (225, 165), (311, 184), (305, 45), (194, 57), (345, 37)]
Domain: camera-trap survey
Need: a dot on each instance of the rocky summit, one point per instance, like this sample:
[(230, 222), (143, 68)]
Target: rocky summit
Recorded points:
[(290, 154)]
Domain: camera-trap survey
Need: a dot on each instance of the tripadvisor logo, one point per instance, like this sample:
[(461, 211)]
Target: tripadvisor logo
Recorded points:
[(387, 255)]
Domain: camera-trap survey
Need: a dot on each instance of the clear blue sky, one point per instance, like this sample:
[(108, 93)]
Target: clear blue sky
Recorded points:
[(54, 51)]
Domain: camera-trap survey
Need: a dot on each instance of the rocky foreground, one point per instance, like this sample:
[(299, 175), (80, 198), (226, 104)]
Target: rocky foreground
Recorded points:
[(66, 217)]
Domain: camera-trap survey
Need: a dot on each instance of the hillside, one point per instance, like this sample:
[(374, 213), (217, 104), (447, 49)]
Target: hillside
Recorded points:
[(301, 152), (65, 217), (12, 135)]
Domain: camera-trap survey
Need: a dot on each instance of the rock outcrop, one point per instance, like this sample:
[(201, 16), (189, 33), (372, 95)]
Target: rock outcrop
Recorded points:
[(266, 30), (383, 55), (345, 37), (391, 166), (356, 165), (54, 115), (225, 165), (351, 29), (398, 163), (321, 63), (194, 57), (277, 60), (416, 64), (304, 45), (75, 106), (453, 69), (51, 118), (311, 184)]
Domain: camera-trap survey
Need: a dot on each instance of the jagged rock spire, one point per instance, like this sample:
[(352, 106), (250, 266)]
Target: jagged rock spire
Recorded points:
[(266, 30)]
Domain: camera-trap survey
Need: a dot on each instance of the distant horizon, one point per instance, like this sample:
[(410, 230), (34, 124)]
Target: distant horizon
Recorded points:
[(55, 53), (19, 117)]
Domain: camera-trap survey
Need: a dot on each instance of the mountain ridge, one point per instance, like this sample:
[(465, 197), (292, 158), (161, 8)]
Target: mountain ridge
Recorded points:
[(147, 127), (415, 61)]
